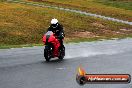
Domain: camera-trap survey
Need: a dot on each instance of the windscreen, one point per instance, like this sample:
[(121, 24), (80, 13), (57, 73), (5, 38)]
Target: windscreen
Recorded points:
[(49, 33)]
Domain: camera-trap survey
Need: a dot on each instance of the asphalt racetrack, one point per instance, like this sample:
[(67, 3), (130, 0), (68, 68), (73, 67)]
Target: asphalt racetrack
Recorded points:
[(27, 68)]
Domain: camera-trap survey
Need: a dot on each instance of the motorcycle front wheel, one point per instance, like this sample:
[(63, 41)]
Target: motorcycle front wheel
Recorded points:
[(47, 53)]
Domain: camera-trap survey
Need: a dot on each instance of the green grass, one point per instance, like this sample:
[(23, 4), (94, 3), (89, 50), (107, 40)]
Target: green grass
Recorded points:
[(18, 46), (123, 4), (24, 25), (74, 40)]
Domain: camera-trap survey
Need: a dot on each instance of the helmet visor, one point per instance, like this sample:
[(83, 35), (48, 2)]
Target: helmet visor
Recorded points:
[(54, 25)]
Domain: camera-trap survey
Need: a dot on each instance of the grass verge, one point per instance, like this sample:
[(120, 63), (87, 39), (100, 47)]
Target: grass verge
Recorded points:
[(24, 25)]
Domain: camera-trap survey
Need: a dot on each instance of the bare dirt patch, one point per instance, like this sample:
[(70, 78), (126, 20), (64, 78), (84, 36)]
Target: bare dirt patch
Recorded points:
[(98, 25), (85, 34), (126, 29), (16, 33)]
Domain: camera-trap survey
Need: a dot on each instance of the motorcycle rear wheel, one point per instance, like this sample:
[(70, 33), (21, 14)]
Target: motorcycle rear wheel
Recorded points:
[(61, 53)]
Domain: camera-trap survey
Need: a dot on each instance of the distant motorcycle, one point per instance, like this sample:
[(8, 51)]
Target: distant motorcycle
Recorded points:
[(52, 47)]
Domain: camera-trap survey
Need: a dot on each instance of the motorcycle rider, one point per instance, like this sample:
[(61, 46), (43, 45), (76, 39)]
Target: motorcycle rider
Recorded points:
[(57, 29)]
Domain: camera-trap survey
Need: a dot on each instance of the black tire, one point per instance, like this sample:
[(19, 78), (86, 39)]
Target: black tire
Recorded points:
[(47, 55), (61, 53), (82, 81)]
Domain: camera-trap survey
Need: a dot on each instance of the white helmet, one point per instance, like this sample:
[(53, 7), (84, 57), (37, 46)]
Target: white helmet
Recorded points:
[(54, 23)]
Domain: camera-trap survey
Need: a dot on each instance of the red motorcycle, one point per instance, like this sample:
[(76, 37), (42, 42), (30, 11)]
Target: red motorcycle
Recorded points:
[(52, 47)]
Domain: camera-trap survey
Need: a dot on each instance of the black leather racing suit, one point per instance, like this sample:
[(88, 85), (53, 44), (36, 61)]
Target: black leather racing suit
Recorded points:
[(59, 32)]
